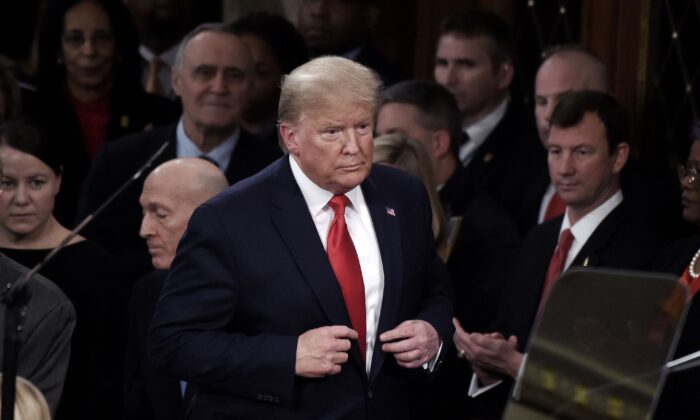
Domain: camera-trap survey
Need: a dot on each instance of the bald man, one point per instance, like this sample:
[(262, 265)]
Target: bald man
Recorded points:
[(566, 68), (170, 194)]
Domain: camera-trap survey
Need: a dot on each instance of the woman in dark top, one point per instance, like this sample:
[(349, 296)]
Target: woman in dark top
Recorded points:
[(679, 398), (89, 88), (86, 273)]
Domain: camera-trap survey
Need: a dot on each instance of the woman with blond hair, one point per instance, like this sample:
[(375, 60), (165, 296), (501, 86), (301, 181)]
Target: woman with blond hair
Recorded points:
[(410, 155), (30, 403)]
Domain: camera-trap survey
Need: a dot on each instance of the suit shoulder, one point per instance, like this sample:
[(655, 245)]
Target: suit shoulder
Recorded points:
[(138, 142), (42, 289), (246, 190), (386, 176)]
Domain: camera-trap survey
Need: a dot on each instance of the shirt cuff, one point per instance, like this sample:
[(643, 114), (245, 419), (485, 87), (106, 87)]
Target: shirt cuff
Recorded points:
[(475, 390), (430, 364)]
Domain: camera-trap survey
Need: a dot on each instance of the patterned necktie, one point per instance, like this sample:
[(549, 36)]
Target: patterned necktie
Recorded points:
[(346, 266), (556, 264), (555, 208)]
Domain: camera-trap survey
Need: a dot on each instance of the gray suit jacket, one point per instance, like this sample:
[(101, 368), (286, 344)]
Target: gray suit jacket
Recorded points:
[(44, 343)]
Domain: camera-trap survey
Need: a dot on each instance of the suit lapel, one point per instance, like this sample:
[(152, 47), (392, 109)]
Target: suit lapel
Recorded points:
[(385, 219), (589, 253), (296, 227)]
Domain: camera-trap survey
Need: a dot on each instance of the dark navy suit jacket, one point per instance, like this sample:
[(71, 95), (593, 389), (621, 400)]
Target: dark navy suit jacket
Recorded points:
[(251, 275)]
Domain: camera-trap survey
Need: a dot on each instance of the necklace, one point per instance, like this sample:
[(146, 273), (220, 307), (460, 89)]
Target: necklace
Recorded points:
[(691, 268)]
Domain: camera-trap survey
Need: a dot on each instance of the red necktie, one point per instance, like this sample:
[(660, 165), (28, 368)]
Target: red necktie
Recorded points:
[(556, 264), (555, 208), (346, 266)]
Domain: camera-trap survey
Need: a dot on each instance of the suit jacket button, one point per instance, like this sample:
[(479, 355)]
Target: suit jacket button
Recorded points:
[(276, 400), (369, 394), (260, 397)]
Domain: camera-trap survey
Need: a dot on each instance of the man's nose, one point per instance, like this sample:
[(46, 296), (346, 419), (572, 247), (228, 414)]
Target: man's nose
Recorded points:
[(218, 83), (146, 229), (566, 164), (352, 144)]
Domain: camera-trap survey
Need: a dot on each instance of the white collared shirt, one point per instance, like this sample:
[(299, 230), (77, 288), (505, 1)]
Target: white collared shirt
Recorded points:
[(361, 229), (582, 231), (584, 228), (168, 57), (221, 154), (479, 132)]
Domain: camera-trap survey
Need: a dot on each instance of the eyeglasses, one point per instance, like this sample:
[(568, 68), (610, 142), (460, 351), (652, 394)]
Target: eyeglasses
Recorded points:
[(98, 40), (692, 174)]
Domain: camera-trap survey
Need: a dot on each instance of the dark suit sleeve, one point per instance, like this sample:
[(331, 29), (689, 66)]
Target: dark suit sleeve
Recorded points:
[(436, 307), (43, 357), (191, 334)]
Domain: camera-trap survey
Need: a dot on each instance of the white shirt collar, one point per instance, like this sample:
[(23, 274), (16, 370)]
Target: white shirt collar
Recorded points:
[(167, 56), (316, 197), (221, 154), (479, 132), (584, 228)]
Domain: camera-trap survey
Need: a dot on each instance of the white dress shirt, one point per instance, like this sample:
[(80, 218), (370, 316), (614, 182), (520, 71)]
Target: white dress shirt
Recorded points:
[(221, 154), (581, 231), (361, 228), (479, 132)]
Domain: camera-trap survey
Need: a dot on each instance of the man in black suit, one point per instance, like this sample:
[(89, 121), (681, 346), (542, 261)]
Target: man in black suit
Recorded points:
[(484, 237), (170, 194), (344, 28), (587, 149), (212, 77), (565, 68), (474, 61), (312, 289), (427, 112)]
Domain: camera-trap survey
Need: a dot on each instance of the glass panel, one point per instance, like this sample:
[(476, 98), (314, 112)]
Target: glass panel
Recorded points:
[(600, 345)]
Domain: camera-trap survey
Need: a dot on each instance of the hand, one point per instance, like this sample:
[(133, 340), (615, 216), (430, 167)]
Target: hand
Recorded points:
[(413, 343), (493, 353), (460, 338), (321, 351)]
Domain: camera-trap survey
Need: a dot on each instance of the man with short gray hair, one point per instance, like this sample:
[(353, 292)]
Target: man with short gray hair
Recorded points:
[(312, 289), (212, 77)]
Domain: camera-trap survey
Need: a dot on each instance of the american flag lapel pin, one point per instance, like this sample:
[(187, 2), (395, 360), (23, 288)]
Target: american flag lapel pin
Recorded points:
[(390, 211)]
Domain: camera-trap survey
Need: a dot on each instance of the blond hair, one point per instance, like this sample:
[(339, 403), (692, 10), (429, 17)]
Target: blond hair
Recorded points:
[(410, 155), (324, 81), (30, 403)]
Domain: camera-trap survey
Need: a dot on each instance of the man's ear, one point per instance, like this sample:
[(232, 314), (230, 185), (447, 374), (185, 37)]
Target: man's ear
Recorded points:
[(620, 157), (175, 81), (505, 73), (440, 143), (289, 137)]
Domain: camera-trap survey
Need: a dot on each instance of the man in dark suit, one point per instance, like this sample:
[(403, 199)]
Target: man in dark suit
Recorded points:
[(311, 290), (344, 28), (427, 112), (170, 194), (587, 149), (474, 61), (212, 77), (484, 237)]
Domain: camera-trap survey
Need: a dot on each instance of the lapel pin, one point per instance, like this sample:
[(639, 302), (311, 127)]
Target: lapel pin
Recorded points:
[(390, 211), (585, 262), (488, 157)]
